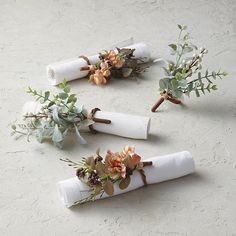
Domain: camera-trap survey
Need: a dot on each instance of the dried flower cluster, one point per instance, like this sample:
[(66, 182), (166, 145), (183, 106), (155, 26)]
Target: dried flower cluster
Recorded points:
[(119, 63), (54, 117), (101, 173), (177, 82)]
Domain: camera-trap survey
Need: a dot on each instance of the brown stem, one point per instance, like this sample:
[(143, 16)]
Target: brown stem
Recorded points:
[(157, 104), (103, 121), (174, 100), (35, 116)]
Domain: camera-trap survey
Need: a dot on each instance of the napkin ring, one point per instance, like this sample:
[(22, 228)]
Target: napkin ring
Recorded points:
[(96, 120)]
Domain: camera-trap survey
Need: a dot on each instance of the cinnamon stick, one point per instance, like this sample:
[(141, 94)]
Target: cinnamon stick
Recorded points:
[(157, 104), (174, 100), (103, 121), (147, 163)]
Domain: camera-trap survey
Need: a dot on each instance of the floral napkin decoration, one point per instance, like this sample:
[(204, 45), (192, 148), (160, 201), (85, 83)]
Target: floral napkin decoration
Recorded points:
[(58, 115), (100, 174), (119, 63)]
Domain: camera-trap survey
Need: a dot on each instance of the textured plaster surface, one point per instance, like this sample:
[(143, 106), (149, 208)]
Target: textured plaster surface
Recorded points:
[(35, 33)]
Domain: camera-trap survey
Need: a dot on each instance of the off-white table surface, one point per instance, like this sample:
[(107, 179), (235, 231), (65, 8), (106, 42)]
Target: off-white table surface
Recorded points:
[(35, 33)]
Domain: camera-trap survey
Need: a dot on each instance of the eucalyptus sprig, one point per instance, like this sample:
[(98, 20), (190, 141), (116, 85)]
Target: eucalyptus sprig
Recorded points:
[(183, 75), (53, 116)]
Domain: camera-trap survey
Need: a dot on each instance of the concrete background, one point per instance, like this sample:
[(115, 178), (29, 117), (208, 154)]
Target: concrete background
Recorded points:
[(35, 33)]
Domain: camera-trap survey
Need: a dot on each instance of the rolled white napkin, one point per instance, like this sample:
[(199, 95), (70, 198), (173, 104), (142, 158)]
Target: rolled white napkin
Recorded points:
[(164, 168), (70, 69), (124, 125)]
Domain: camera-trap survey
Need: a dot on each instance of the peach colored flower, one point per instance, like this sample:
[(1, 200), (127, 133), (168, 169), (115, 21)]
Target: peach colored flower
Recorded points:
[(130, 150), (119, 62), (98, 78), (105, 69), (115, 59), (92, 68), (127, 150), (115, 165), (136, 159), (111, 56)]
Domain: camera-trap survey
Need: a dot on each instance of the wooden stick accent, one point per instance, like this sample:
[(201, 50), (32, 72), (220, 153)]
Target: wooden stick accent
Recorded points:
[(147, 163), (84, 68), (103, 121), (174, 100), (157, 104), (96, 120)]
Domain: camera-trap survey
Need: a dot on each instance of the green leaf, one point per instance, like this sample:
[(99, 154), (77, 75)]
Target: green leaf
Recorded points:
[(72, 98), (86, 123), (51, 104), (63, 96), (214, 87), (197, 93), (13, 127), (177, 93), (190, 87), (162, 84), (180, 27), (126, 72), (187, 50), (208, 87), (214, 74), (183, 83), (63, 84), (178, 76), (57, 135), (202, 89), (200, 78), (66, 89), (46, 96), (174, 84), (124, 183), (79, 138), (173, 46)]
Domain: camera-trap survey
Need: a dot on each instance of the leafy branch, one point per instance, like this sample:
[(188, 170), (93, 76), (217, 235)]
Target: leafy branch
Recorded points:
[(53, 116), (176, 82)]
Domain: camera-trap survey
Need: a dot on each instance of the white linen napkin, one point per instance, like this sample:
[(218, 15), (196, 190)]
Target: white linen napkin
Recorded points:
[(164, 168), (70, 69), (124, 125)]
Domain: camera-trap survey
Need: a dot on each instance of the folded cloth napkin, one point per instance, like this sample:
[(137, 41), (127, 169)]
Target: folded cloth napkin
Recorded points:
[(70, 69), (124, 125), (163, 168)]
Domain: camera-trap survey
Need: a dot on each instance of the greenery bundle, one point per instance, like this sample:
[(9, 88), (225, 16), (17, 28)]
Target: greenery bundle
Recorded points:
[(57, 115), (184, 76)]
